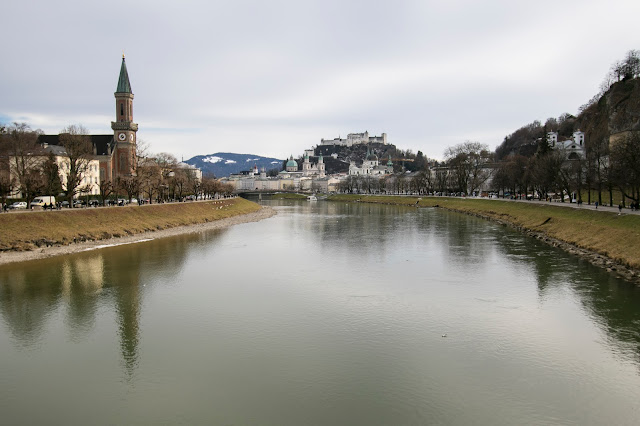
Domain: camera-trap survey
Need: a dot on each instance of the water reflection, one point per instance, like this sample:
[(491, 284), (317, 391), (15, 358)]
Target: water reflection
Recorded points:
[(471, 246), (82, 286)]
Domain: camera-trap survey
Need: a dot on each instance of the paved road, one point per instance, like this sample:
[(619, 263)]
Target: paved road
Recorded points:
[(39, 209), (625, 210)]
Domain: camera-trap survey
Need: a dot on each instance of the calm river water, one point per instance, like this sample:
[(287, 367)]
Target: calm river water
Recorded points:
[(326, 314)]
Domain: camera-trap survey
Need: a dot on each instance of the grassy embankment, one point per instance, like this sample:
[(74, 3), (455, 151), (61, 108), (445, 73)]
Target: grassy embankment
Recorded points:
[(25, 231), (288, 196), (606, 233)]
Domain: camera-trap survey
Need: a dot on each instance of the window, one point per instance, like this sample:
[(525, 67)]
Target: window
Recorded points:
[(121, 108)]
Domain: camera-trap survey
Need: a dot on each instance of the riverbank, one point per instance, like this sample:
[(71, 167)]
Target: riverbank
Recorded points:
[(288, 196), (37, 235), (604, 238)]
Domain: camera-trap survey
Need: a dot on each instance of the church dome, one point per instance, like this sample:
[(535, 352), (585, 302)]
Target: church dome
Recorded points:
[(372, 157), (292, 163)]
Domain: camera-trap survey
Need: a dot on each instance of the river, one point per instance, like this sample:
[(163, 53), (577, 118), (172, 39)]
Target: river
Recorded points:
[(328, 313)]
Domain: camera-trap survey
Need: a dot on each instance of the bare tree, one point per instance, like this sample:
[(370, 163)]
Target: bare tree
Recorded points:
[(105, 190), (150, 177), (625, 160), (467, 163), (25, 159), (78, 150), (130, 185), (631, 64), (545, 172), (177, 183), (193, 182), (51, 176)]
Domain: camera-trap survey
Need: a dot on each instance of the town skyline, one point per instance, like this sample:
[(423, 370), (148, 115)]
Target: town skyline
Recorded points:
[(277, 80)]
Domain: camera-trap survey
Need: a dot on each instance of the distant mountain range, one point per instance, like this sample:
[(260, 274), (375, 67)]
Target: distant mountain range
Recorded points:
[(222, 164)]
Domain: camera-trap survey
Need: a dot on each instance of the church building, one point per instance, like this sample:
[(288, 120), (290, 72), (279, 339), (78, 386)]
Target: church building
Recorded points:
[(115, 153)]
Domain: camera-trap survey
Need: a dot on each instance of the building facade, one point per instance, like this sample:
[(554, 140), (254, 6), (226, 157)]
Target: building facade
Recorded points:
[(574, 148), (115, 153), (370, 166)]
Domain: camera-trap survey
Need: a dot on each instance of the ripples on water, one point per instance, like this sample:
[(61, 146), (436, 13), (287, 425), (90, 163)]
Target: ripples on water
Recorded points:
[(327, 313)]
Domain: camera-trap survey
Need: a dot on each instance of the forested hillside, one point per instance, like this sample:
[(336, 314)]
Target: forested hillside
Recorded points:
[(614, 110)]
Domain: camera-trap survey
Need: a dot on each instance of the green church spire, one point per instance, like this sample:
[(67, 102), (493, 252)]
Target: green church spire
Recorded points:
[(123, 82)]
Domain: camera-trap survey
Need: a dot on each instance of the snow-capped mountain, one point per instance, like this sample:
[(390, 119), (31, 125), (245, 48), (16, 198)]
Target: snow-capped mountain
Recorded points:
[(222, 164)]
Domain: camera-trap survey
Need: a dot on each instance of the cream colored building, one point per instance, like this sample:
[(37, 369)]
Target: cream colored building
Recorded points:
[(90, 184), (370, 167)]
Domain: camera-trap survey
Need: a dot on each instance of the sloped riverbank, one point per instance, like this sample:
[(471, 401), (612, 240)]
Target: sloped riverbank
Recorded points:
[(29, 236)]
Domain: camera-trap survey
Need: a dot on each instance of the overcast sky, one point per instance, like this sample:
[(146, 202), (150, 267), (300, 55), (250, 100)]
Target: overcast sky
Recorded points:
[(274, 77)]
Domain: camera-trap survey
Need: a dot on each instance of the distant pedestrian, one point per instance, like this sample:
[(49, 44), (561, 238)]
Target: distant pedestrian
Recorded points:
[(596, 205), (619, 209)]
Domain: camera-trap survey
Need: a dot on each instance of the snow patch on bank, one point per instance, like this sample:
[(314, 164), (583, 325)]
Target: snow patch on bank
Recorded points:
[(101, 246)]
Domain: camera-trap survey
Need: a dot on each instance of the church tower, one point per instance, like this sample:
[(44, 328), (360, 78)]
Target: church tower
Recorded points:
[(124, 129), (321, 170)]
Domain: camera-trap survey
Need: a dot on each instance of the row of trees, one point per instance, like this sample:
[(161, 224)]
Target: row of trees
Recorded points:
[(605, 168), (160, 177)]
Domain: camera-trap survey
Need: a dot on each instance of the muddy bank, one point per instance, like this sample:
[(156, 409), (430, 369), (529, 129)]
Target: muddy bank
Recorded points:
[(41, 253)]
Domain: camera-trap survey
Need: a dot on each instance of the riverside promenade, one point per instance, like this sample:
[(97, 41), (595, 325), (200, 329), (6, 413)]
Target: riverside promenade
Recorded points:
[(583, 206)]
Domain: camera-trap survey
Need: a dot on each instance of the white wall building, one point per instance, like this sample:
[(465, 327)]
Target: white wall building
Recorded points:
[(574, 147), (355, 139), (370, 167), (309, 169), (90, 183), (189, 168)]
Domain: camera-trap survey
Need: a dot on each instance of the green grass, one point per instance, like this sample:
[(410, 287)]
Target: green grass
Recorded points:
[(616, 196), (607, 233), (288, 196), (25, 231)]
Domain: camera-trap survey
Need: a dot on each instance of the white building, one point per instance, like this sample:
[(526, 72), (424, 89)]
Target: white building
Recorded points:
[(370, 167), (574, 148), (90, 184), (356, 139), (309, 169), (189, 168)]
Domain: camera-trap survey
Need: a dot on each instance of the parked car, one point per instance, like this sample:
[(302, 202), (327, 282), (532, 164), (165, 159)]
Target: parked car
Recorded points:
[(65, 203), (94, 203), (78, 203), (18, 205)]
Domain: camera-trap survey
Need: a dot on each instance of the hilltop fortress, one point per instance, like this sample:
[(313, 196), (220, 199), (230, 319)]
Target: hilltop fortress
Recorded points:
[(356, 139)]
